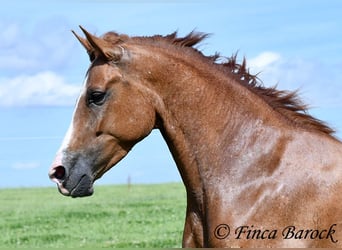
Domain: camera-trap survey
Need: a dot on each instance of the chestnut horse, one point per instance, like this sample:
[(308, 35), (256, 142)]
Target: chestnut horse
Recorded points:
[(258, 170)]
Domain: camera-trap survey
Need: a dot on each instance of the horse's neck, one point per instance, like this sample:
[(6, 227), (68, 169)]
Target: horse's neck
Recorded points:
[(207, 118)]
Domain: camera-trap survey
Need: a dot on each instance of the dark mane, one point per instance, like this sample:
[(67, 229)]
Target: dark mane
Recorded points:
[(285, 102)]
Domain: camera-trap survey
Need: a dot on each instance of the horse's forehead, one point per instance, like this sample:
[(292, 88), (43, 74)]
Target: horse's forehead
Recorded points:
[(101, 74)]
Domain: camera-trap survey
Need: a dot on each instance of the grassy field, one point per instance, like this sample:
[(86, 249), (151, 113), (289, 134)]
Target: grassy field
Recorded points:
[(115, 216)]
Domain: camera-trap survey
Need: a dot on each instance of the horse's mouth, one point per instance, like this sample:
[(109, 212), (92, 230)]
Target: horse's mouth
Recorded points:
[(84, 187)]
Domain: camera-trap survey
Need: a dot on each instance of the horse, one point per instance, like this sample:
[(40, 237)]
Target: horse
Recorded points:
[(258, 169)]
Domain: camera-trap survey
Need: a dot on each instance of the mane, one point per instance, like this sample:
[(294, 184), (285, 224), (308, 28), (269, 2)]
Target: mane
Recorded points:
[(287, 103)]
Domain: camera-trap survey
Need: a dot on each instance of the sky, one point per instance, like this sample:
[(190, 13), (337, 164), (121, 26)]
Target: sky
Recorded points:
[(294, 44)]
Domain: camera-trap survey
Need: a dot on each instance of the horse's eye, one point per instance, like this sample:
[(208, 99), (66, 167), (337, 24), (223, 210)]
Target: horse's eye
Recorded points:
[(96, 97)]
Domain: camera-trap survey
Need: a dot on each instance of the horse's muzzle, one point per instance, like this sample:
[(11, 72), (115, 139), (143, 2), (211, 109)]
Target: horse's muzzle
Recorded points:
[(74, 185)]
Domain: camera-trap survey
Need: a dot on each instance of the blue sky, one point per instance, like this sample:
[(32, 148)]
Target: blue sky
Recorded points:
[(295, 44)]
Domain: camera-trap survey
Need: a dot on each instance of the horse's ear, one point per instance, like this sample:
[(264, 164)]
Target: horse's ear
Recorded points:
[(105, 48), (83, 41), (86, 45)]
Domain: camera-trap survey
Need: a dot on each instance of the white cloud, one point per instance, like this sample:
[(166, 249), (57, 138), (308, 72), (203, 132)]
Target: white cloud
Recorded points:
[(9, 34), (37, 48), (26, 165), (263, 60), (45, 88), (319, 84)]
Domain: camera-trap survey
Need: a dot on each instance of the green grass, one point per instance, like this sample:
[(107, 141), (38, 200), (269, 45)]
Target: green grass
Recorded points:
[(115, 216)]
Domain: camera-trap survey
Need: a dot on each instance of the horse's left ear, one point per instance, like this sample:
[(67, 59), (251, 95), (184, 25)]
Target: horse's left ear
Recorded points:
[(86, 45), (83, 41), (105, 48)]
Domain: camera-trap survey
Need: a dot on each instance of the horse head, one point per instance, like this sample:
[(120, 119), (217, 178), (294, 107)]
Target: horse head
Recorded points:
[(110, 117)]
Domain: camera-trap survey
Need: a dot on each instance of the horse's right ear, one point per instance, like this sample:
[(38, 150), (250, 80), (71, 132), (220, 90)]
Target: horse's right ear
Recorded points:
[(86, 45)]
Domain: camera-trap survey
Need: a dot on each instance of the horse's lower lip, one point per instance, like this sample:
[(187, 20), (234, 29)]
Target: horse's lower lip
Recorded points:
[(62, 189), (60, 186), (83, 188)]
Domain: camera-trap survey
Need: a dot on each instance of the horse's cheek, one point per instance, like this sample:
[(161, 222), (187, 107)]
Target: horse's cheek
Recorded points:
[(135, 126)]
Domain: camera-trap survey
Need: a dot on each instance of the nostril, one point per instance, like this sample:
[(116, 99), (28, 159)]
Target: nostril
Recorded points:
[(59, 173)]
